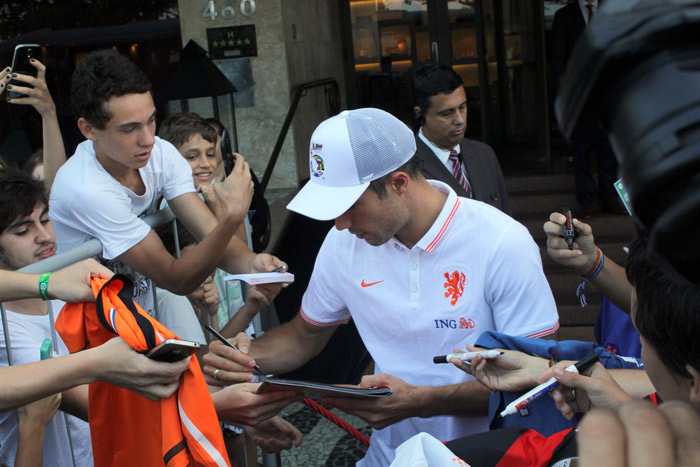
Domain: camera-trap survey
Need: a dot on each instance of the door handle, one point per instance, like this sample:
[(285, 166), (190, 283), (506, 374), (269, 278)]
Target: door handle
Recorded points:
[(434, 50)]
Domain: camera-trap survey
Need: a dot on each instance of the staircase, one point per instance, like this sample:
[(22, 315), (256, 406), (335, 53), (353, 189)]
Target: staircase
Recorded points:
[(532, 199)]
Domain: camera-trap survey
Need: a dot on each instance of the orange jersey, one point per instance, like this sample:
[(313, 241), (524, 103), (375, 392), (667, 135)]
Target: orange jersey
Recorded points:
[(126, 428)]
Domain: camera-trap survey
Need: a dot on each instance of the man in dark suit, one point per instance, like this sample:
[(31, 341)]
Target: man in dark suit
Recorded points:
[(468, 167), (569, 23)]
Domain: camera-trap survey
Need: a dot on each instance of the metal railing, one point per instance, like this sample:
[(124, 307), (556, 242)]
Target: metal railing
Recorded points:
[(333, 107), (90, 249)]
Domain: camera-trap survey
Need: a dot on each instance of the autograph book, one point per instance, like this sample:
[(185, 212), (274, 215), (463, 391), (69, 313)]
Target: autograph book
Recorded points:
[(316, 390), (261, 277)]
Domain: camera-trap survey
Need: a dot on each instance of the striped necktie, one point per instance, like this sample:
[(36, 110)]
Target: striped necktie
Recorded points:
[(459, 173)]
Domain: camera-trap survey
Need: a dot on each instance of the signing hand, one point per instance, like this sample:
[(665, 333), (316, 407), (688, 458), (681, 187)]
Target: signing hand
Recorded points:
[(224, 365)]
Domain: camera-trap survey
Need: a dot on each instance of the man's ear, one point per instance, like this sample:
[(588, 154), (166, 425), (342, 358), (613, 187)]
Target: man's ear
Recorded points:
[(398, 182), (418, 114), (694, 384), (86, 129)]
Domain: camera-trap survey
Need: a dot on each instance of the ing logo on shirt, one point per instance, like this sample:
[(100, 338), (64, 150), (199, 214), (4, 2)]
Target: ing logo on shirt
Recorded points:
[(454, 324), (454, 283)]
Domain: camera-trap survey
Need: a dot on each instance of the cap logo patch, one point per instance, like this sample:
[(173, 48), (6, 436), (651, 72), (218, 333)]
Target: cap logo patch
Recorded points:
[(316, 164)]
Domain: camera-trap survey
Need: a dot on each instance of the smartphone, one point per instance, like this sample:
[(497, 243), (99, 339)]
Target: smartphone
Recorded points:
[(172, 350), (21, 65), (227, 152)]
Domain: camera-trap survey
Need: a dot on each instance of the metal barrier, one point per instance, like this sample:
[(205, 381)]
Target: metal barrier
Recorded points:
[(90, 249)]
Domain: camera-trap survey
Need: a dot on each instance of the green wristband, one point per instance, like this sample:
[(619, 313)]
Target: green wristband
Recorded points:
[(44, 286)]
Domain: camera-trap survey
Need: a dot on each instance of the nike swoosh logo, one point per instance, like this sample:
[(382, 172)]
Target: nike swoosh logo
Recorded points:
[(367, 284)]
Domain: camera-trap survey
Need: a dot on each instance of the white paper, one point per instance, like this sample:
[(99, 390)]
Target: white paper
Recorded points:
[(261, 277)]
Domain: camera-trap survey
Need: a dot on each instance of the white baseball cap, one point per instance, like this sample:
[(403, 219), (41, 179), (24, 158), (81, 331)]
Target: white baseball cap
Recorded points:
[(347, 152)]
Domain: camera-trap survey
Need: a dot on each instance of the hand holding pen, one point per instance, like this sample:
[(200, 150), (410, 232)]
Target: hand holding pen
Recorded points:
[(225, 341), (523, 401), (594, 388), (226, 363)]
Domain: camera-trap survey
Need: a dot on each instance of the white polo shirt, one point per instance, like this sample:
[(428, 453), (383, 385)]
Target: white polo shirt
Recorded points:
[(476, 269)]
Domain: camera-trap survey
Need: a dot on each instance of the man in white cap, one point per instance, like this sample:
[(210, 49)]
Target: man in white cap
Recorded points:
[(420, 271)]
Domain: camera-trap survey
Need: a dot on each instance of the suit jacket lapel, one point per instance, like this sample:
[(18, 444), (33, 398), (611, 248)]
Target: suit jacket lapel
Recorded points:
[(433, 168)]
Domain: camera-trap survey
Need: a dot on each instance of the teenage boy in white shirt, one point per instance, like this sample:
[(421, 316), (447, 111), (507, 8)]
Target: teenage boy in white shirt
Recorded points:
[(120, 172)]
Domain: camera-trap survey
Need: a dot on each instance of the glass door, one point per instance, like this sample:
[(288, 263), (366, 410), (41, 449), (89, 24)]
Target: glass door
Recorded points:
[(512, 71), (496, 46), (388, 38)]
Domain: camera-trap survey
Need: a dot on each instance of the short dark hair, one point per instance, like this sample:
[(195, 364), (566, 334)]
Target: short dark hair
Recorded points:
[(667, 314), (412, 168), (101, 75), (218, 126), (180, 127), (20, 193), (431, 79)]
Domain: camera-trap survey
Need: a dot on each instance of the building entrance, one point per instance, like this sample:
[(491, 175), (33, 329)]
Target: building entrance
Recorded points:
[(496, 46)]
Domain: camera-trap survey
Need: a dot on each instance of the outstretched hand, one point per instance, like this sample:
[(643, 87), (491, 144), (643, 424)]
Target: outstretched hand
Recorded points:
[(72, 284), (275, 435), (119, 364), (240, 404), (381, 412), (234, 194)]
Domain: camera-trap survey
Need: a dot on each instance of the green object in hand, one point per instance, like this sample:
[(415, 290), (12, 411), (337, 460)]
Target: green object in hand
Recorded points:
[(45, 351)]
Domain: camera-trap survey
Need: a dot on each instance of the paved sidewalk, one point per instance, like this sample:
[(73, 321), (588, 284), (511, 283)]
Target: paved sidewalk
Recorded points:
[(324, 444)]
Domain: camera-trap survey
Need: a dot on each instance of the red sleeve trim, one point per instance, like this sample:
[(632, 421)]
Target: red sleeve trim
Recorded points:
[(546, 332), (319, 323)]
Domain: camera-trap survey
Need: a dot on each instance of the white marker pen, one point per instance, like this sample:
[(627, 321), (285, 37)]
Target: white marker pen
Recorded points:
[(467, 356), (523, 401)]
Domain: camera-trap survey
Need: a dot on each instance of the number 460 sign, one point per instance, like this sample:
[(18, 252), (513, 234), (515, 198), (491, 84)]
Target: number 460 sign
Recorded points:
[(228, 9)]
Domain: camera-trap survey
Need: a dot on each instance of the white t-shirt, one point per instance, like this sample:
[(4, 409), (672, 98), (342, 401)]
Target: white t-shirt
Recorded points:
[(475, 270), (87, 202), (27, 333)]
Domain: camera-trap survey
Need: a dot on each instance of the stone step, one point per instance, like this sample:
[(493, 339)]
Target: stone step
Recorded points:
[(577, 333), (568, 297), (558, 182), (541, 203), (574, 315)]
